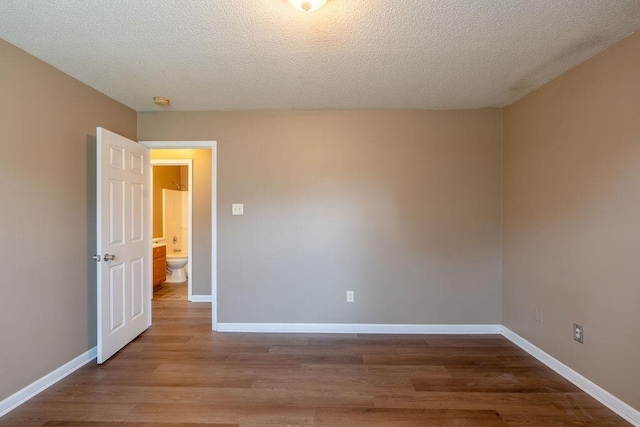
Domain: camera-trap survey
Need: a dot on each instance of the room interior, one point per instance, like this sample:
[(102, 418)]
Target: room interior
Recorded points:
[(503, 201)]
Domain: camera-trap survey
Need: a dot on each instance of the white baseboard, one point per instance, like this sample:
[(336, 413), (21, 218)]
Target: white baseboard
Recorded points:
[(362, 328), (38, 386), (610, 401), (200, 298)]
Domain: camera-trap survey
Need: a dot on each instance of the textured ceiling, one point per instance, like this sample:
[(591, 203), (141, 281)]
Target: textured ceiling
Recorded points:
[(351, 54)]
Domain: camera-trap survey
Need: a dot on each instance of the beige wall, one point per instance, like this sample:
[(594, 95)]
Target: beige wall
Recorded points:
[(47, 216), (202, 170), (403, 207), (164, 177), (572, 218)]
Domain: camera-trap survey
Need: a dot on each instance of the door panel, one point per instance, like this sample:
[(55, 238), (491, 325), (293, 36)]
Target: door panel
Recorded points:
[(116, 297), (137, 288), (116, 212), (124, 234), (137, 213)]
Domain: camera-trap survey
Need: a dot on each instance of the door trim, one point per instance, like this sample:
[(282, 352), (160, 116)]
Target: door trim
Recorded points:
[(213, 146), (189, 164)]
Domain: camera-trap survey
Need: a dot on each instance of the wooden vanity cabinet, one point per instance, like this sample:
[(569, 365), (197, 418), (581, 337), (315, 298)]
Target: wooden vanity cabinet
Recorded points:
[(159, 266)]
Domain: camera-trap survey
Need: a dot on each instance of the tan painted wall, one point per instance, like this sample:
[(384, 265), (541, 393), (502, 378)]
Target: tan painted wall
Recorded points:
[(164, 177), (202, 169), (184, 178), (403, 207), (48, 124), (572, 218)]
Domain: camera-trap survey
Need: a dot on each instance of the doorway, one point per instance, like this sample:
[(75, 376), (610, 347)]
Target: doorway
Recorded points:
[(172, 218), (203, 273)]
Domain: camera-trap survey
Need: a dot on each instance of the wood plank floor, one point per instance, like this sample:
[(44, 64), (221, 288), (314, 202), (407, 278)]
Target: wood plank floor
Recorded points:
[(171, 292), (179, 372)]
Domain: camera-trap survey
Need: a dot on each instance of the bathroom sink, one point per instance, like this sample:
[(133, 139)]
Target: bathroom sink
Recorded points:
[(158, 242)]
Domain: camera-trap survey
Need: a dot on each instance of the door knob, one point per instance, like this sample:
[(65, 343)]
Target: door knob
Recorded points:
[(108, 257)]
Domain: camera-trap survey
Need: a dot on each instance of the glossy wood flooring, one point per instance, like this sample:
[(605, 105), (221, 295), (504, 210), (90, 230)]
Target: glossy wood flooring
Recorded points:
[(181, 373), (171, 292)]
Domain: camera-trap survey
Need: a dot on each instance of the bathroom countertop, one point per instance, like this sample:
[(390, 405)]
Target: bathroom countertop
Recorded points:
[(157, 245)]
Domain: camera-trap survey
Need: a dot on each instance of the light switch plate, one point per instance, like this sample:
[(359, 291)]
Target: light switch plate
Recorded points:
[(237, 209)]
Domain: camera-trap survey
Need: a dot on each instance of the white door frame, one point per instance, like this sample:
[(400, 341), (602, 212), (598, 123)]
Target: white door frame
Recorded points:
[(213, 146), (189, 164)]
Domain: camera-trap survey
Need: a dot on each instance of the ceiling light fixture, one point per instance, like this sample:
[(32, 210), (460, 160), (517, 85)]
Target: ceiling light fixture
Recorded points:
[(307, 5), (161, 101)]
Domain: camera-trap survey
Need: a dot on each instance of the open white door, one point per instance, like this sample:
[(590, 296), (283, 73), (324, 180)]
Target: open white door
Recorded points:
[(124, 241)]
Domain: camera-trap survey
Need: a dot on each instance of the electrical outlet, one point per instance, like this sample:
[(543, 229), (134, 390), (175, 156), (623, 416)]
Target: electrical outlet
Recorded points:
[(349, 296), (539, 316), (578, 333)]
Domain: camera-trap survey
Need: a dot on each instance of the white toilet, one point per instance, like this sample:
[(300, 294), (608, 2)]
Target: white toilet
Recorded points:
[(176, 267)]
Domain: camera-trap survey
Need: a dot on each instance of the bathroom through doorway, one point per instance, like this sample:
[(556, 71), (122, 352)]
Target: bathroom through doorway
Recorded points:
[(172, 217), (202, 277)]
